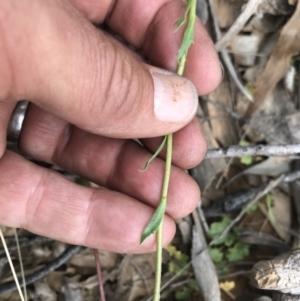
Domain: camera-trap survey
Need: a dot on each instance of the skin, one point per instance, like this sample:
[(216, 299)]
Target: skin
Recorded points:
[(82, 119)]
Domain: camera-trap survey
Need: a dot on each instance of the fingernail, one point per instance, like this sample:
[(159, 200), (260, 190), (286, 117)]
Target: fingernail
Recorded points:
[(175, 98)]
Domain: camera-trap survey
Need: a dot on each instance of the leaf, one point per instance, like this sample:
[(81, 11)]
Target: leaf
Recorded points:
[(227, 286), (247, 160), (182, 20), (176, 268), (173, 268), (229, 239), (244, 143), (171, 249), (155, 154), (155, 221), (237, 252), (217, 228), (287, 46), (184, 293), (269, 203), (216, 255), (252, 208), (250, 88), (177, 254), (188, 37)]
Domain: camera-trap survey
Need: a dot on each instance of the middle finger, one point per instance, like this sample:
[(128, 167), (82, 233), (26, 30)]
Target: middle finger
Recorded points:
[(112, 163)]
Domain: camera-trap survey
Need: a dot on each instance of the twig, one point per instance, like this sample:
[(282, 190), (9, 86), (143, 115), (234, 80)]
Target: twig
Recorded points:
[(180, 284), (255, 150), (140, 272), (239, 273), (204, 268), (16, 282), (60, 260), (292, 176), (279, 296), (238, 25), (233, 202), (230, 161), (202, 218), (27, 240), (284, 178), (99, 274), (225, 56), (24, 242), (21, 263), (230, 67), (268, 188)]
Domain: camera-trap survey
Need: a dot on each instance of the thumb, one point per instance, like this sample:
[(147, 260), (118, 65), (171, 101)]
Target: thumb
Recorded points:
[(61, 62)]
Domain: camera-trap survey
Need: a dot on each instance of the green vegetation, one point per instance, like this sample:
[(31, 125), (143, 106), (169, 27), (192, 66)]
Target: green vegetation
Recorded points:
[(229, 248)]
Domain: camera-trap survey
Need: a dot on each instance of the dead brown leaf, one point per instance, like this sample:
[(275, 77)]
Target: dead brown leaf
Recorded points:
[(281, 211), (223, 130), (288, 45)]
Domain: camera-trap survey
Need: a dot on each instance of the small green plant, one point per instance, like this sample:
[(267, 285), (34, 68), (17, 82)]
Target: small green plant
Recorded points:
[(253, 208), (178, 261), (269, 203), (185, 292), (246, 160), (229, 248), (155, 224)]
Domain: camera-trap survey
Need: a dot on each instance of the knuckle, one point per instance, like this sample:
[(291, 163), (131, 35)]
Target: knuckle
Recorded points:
[(120, 93)]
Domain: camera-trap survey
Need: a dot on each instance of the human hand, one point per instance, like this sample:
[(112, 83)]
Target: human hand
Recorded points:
[(89, 95)]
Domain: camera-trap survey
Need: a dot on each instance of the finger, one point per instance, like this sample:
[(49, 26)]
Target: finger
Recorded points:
[(111, 163), (43, 133), (46, 203), (76, 72), (151, 27), (6, 109), (189, 144)]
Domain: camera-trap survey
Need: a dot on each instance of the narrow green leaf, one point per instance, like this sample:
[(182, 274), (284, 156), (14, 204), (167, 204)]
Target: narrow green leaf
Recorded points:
[(270, 210), (155, 154), (155, 221), (188, 39), (182, 20)]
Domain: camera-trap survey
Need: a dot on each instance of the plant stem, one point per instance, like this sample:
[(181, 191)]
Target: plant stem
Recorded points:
[(181, 65), (164, 194), (99, 275), (169, 149)]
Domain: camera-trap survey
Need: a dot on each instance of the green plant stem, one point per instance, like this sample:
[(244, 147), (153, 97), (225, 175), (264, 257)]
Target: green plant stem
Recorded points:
[(181, 65), (188, 38), (164, 194)]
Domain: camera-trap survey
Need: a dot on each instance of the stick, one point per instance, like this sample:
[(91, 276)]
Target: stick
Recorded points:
[(255, 150)]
